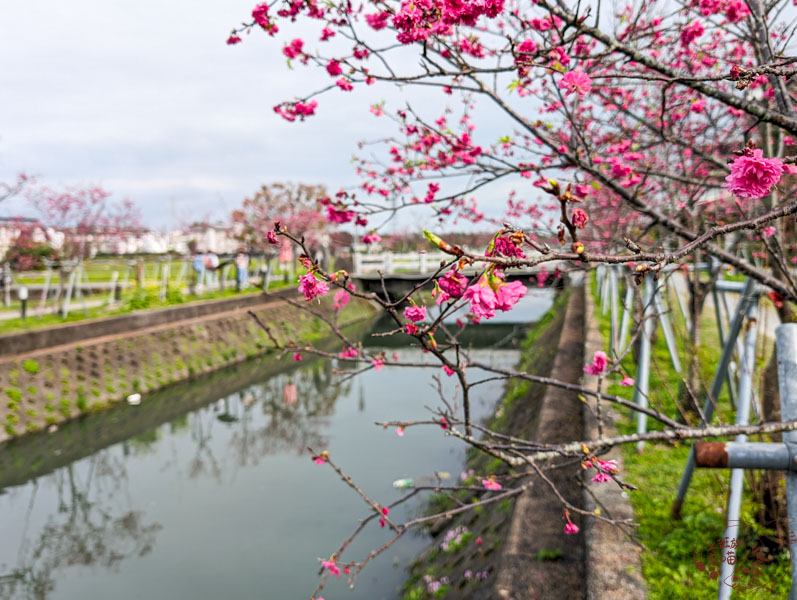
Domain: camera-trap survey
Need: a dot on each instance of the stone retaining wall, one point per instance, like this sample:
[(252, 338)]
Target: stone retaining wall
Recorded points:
[(53, 385), (29, 341)]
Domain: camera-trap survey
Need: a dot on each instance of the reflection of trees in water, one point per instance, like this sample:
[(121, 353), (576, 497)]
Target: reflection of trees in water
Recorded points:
[(86, 529), (292, 404)]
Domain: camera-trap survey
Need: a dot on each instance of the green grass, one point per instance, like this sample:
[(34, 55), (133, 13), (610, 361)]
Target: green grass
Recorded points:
[(669, 563), (145, 299)]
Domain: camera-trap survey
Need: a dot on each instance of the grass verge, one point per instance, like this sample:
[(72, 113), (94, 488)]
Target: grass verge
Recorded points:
[(669, 565)]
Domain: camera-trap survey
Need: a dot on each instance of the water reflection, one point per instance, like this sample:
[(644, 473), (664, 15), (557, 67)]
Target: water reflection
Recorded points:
[(205, 491)]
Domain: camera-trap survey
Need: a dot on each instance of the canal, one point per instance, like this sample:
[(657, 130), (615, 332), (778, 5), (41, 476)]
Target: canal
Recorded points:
[(206, 491)]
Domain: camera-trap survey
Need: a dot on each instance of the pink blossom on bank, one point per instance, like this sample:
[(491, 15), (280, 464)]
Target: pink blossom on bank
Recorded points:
[(508, 295), (443, 423), (371, 238), (736, 10), (627, 381), (453, 283), (449, 371), (293, 49), (341, 299), (768, 231), (491, 484), (335, 215), (333, 68), (599, 363), (576, 81), (233, 39), (788, 141), (297, 357), (579, 218), (312, 287), (415, 313), (691, 32), (400, 431), (601, 477), (348, 352), (482, 298), (260, 15), (378, 21), (331, 567), (503, 246), (271, 237), (378, 363), (344, 84), (571, 528), (752, 175)]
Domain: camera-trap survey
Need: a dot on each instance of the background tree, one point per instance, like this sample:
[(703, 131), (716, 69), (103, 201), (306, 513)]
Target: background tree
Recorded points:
[(651, 136)]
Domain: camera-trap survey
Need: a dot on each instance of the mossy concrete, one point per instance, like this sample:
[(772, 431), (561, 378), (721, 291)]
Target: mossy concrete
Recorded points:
[(50, 386)]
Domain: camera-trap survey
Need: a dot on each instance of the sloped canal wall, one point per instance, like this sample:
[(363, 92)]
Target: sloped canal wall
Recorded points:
[(48, 386)]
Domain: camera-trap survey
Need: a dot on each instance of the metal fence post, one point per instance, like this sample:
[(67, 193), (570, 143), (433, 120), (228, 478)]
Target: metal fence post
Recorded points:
[(625, 324), (604, 290), (613, 300), (682, 307), (664, 320), (742, 418), (748, 295), (643, 368), (786, 348), (721, 331)]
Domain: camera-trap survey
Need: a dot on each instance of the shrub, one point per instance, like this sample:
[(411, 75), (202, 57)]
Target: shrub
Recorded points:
[(30, 366)]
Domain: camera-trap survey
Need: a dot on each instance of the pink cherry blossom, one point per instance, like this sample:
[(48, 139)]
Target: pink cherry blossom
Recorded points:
[(599, 363), (509, 294), (271, 237), (312, 287), (385, 510), (333, 68), (378, 363), (571, 528), (491, 484), (482, 298), (400, 431), (752, 175), (293, 49), (579, 218), (371, 238), (233, 39), (453, 283), (449, 371), (297, 357), (768, 231), (340, 299), (576, 81), (691, 32), (415, 313), (348, 352), (331, 567), (344, 84), (378, 21), (627, 381)]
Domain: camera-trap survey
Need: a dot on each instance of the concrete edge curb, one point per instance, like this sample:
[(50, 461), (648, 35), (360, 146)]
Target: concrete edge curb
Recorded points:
[(613, 558)]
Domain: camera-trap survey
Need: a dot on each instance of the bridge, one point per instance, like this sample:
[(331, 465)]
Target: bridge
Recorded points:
[(401, 270)]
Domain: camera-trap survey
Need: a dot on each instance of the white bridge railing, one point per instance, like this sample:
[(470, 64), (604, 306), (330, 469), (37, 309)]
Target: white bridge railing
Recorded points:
[(397, 262)]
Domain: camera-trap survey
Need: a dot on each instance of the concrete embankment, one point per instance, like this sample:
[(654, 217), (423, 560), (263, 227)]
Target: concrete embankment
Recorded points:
[(51, 385), (522, 551)]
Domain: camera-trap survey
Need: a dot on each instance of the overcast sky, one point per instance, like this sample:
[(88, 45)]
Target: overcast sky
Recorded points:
[(146, 99)]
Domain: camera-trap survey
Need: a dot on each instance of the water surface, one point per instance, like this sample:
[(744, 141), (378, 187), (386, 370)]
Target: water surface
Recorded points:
[(196, 497)]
